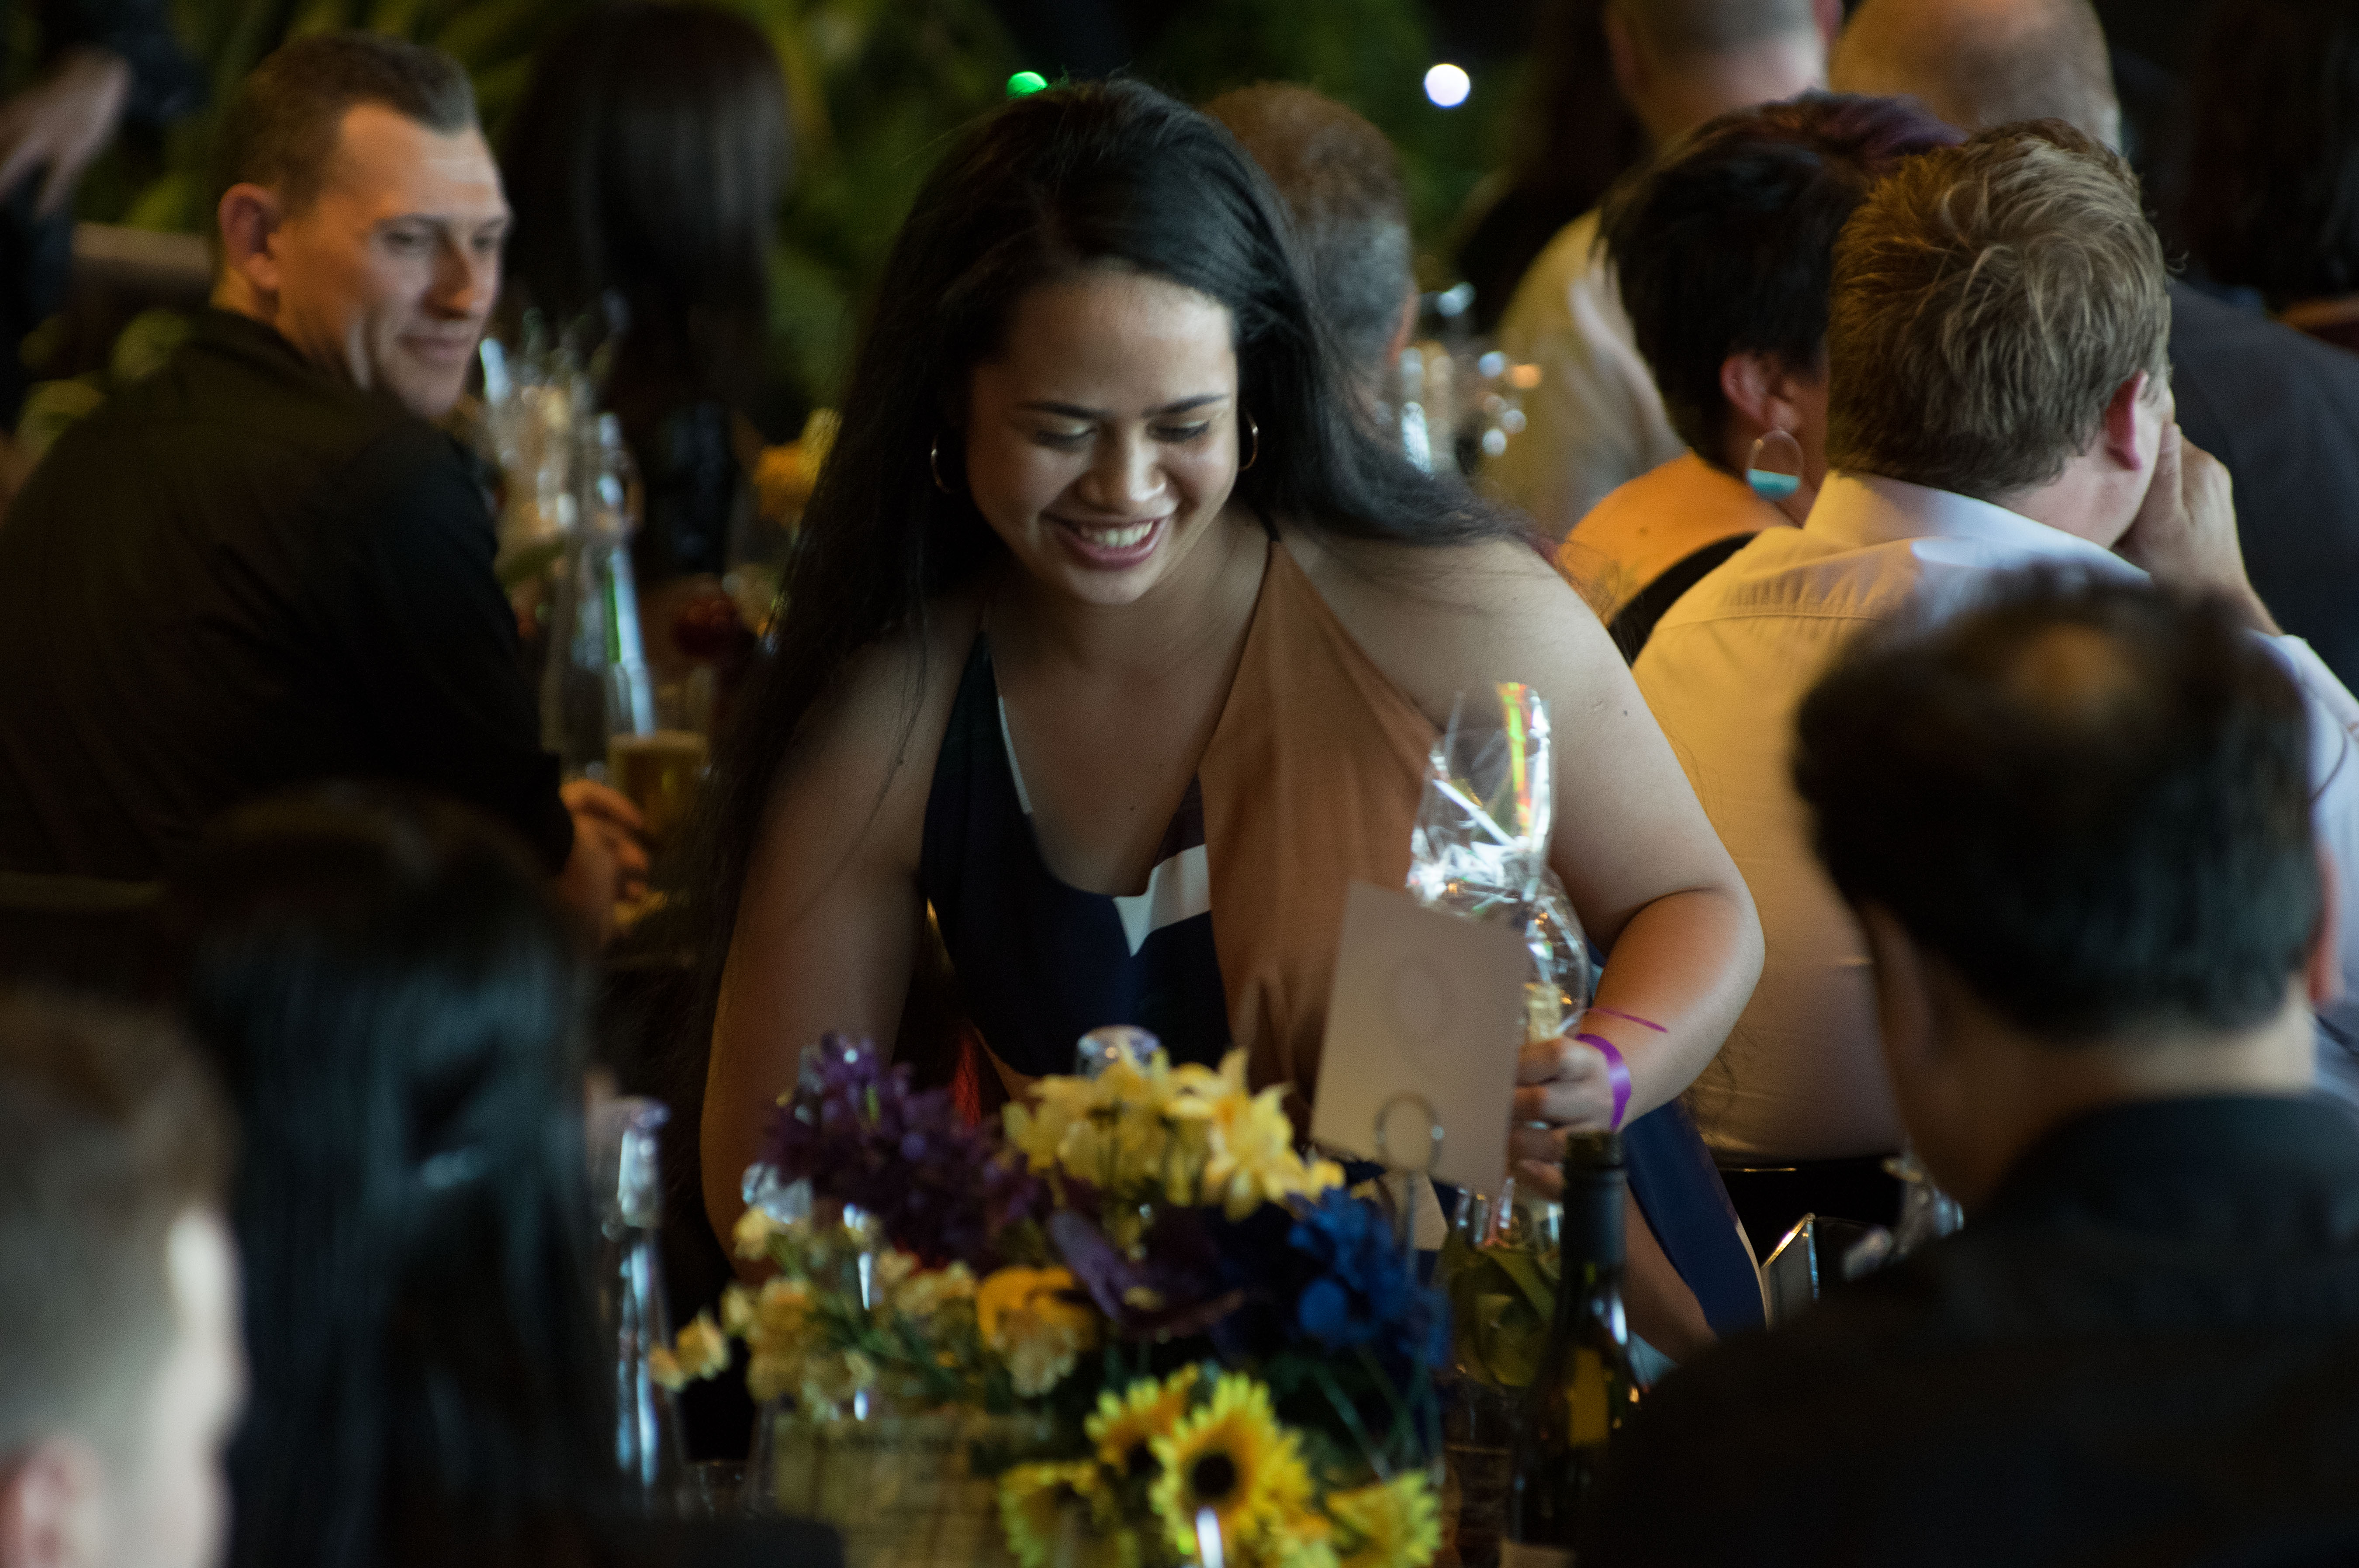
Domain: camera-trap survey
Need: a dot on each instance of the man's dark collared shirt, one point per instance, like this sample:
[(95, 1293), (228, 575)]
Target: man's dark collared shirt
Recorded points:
[(242, 575), (2145, 1349)]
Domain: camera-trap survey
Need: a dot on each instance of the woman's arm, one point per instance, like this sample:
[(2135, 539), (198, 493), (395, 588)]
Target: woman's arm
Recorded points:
[(830, 914), (1645, 870)]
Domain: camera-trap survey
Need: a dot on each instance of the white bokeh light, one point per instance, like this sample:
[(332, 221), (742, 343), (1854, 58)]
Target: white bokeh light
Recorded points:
[(1448, 85)]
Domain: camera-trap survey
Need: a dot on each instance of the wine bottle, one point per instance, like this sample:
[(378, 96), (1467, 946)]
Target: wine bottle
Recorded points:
[(1584, 1389)]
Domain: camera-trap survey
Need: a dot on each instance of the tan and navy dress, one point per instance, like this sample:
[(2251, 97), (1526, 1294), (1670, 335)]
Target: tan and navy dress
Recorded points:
[(1310, 782)]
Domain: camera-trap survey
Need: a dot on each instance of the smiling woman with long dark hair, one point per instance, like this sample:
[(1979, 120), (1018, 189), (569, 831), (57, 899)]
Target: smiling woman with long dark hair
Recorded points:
[(1118, 643)]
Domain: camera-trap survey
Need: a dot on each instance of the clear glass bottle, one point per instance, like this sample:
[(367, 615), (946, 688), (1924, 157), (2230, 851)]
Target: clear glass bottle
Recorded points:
[(596, 684), (631, 1302)]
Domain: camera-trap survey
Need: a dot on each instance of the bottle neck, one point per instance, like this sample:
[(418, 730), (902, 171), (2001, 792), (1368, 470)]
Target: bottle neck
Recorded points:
[(1592, 1236)]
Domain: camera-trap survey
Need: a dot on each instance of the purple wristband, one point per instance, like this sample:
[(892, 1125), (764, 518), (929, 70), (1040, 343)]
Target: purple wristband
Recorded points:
[(1617, 1073)]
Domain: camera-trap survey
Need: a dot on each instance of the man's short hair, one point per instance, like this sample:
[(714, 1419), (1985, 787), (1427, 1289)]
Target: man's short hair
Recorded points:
[(281, 130), (112, 1130), (1989, 300), (1979, 63), (1341, 181), (1686, 29), (2091, 799), (1725, 245)]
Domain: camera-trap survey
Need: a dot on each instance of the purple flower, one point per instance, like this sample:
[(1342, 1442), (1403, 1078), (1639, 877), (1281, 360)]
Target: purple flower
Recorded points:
[(856, 1131)]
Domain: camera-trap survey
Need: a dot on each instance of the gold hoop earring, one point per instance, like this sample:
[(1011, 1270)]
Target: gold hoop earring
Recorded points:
[(934, 465), (1253, 430)]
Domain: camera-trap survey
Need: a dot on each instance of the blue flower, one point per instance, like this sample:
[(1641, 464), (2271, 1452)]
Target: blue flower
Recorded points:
[(1362, 1291)]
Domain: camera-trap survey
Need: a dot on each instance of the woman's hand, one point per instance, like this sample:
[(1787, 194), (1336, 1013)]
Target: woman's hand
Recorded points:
[(1561, 1086)]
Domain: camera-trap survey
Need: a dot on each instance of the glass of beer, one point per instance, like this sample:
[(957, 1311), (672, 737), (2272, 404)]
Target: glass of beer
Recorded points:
[(661, 769)]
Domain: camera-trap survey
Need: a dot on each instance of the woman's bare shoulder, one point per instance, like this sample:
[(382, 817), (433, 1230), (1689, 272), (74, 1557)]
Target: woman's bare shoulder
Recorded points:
[(1439, 619), (877, 731)]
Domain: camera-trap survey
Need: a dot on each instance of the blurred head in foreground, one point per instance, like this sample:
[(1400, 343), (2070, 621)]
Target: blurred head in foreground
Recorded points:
[(2075, 824), (120, 1371), (1341, 181), (360, 214), (393, 1004)]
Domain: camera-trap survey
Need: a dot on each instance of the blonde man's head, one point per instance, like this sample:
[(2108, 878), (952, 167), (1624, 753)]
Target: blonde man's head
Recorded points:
[(1989, 301)]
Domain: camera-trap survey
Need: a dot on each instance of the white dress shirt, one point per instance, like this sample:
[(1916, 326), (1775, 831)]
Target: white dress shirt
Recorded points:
[(1595, 421), (1800, 1078)]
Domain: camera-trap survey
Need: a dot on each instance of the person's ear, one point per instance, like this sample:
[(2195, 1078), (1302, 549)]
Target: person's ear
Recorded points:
[(2323, 974), (1629, 60), (250, 216), (49, 1506), (1761, 388), (1403, 330), (2128, 438)]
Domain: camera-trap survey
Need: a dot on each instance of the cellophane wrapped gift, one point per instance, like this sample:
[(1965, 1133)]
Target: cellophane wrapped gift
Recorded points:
[(1479, 849), (1480, 844)]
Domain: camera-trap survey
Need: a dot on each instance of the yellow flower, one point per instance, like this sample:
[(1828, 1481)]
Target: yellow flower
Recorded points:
[(1392, 1524), (1033, 1499), (1045, 1294), (1127, 1423), (776, 1326), (699, 1351), (1232, 1457), (1307, 1548), (752, 1232), (1030, 1317), (930, 1292)]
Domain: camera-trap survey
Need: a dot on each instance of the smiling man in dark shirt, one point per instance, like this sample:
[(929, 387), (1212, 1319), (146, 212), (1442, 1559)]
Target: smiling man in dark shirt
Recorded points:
[(2075, 825), (264, 564)]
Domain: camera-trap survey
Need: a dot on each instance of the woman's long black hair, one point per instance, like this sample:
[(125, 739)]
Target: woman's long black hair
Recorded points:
[(647, 159), (1101, 174), (395, 1006)]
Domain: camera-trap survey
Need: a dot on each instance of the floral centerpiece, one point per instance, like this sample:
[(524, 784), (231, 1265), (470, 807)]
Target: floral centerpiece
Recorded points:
[(1206, 1330)]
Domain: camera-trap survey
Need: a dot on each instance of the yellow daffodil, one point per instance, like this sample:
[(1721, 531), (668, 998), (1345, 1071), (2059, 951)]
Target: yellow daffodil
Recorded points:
[(777, 1328), (698, 1351), (1127, 1425), (752, 1232), (1233, 1458), (1392, 1524)]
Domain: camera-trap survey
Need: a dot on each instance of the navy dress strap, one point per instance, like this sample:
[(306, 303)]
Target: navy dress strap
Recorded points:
[(1039, 961), (1679, 1190)]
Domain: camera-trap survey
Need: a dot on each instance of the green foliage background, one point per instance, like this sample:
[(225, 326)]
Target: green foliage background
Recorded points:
[(878, 86)]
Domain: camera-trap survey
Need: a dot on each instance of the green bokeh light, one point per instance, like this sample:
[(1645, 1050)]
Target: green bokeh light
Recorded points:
[(1026, 82)]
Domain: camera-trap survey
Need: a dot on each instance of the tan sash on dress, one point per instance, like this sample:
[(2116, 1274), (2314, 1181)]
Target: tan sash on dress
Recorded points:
[(1311, 779)]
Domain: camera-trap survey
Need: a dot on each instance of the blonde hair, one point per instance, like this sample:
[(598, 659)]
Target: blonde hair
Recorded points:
[(1989, 300)]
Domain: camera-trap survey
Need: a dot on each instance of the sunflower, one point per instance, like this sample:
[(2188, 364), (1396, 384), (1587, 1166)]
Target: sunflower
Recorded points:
[(1032, 1503), (1233, 1458), (1392, 1524), (1127, 1425)]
